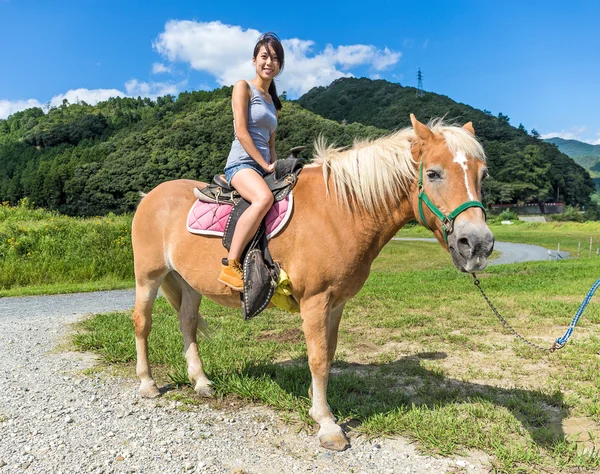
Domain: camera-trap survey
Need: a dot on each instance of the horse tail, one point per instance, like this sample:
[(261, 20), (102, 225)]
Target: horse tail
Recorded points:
[(175, 289), (172, 291)]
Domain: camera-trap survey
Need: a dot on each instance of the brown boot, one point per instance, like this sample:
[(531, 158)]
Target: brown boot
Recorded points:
[(232, 275)]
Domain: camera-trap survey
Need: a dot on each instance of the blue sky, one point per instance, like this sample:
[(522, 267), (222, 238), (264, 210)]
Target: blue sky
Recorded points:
[(536, 61)]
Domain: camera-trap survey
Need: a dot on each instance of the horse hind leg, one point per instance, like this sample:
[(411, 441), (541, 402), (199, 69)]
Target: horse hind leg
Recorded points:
[(189, 303), (145, 294)]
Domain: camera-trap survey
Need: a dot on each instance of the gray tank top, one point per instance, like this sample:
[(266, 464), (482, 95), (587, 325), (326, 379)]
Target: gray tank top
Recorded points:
[(262, 121)]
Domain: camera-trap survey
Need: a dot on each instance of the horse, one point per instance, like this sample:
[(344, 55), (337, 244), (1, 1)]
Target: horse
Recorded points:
[(348, 203)]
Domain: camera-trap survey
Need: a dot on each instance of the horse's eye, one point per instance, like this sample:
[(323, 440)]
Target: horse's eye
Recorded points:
[(433, 175)]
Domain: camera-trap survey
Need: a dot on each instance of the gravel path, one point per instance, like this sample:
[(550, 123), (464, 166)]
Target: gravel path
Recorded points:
[(55, 419)]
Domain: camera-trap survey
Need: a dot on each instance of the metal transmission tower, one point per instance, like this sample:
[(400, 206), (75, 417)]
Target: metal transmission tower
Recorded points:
[(420, 91)]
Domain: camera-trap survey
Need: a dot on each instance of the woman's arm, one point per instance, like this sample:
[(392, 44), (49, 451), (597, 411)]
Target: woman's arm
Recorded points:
[(272, 142), (241, 97)]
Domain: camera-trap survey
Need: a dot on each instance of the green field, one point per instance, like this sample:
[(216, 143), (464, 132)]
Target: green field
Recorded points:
[(42, 252), (420, 355)]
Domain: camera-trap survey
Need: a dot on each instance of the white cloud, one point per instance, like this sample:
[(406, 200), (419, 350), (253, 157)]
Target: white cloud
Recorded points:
[(159, 68), (9, 107), (225, 52), (385, 59), (212, 47), (134, 88), (153, 90), (89, 96), (92, 97), (574, 133)]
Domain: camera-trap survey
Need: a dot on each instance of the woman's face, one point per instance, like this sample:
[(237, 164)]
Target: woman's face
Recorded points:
[(267, 66)]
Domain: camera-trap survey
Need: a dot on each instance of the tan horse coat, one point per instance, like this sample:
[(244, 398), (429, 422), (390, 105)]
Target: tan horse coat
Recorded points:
[(327, 250)]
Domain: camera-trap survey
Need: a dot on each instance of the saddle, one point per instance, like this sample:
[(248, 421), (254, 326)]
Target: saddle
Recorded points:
[(280, 182), (261, 273)]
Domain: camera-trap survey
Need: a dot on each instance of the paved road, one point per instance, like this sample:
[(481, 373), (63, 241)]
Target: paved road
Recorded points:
[(509, 252)]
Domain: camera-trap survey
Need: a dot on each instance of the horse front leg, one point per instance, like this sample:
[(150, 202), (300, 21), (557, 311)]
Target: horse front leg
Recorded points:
[(335, 316), (318, 327)]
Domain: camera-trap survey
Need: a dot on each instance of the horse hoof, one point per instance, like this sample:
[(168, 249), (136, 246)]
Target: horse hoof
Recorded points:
[(334, 441), (204, 390), (149, 390)]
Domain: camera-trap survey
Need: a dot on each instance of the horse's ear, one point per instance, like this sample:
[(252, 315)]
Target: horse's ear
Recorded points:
[(421, 130), (469, 128)]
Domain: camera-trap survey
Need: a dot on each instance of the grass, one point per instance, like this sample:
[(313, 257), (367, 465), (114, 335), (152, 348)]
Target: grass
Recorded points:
[(44, 252), (104, 284), (419, 355)]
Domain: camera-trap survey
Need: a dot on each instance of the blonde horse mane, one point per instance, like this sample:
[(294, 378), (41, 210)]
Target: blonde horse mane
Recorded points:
[(374, 172)]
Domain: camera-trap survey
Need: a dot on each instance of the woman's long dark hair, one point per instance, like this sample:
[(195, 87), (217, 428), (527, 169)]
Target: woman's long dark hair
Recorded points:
[(271, 40)]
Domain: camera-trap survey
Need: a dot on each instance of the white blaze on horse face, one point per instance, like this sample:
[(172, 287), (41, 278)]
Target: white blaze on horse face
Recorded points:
[(461, 159)]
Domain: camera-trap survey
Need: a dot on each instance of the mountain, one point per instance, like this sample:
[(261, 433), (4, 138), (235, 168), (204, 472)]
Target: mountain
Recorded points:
[(523, 167), (586, 155), (90, 160), (575, 148)]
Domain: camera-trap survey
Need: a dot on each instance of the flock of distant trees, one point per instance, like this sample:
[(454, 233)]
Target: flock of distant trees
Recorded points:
[(85, 160)]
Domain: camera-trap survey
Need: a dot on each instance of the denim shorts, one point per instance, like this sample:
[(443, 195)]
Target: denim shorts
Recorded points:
[(230, 171)]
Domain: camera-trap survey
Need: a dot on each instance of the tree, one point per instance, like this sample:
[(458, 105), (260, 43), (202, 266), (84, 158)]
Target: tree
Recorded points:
[(503, 118)]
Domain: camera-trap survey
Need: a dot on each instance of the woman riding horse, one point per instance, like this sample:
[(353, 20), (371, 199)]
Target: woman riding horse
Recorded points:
[(348, 205), (255, 112)]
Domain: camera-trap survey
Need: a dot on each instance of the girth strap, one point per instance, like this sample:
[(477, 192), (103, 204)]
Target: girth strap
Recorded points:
[(261, 273)]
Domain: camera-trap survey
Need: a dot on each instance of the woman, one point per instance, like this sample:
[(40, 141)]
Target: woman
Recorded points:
[(252, 156)]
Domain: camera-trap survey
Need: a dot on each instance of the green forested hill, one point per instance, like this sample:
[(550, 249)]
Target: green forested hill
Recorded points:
[(584, 154), (523, 168), (88, 160), (575, 148)]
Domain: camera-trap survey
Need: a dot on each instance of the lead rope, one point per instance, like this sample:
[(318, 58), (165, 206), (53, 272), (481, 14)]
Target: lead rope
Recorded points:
[(561, 341)]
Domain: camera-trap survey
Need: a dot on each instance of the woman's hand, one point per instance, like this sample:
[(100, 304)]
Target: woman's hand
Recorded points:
[(270, 168)]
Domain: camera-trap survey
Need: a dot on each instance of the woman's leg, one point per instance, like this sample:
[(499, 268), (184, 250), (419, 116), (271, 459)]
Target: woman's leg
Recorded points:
[(252, 188)]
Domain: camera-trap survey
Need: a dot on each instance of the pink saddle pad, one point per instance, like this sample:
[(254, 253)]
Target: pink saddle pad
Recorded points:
[(210, 219)]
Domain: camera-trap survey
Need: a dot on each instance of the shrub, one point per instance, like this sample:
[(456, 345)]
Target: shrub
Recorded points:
[(571, 214)]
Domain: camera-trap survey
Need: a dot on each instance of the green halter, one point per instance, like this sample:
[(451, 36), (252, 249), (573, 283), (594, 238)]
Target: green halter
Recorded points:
[(447, 220)]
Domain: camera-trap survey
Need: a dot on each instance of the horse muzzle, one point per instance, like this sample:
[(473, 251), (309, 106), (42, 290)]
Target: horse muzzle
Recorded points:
[(470, 245)]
